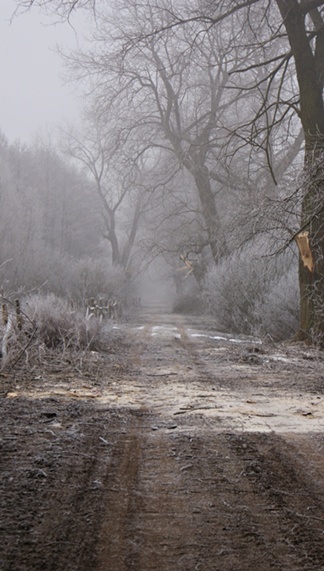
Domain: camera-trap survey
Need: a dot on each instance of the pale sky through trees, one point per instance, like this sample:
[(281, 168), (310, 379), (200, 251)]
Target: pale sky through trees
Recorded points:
[(33, 96)]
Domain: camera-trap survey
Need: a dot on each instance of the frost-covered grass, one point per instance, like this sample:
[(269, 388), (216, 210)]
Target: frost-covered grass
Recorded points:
[(49, 323), (58, 323)]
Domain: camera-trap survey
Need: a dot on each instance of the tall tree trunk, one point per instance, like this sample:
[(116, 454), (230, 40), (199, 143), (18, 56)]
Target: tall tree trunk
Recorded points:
[(112, 236), (309, 74), (132, 235), (213, 224), (312, 282)]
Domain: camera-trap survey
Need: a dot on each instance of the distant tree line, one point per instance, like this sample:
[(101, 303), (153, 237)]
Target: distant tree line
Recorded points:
[(51, 231)]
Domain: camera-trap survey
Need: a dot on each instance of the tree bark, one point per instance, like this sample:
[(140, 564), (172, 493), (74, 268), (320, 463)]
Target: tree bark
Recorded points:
[(210, 213), (310, 80)]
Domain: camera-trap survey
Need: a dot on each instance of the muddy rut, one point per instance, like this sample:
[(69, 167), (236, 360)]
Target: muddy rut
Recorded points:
[(185, 450)]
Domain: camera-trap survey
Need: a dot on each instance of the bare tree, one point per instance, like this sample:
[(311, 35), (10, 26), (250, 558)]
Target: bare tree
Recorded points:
[(116, 182), (176, 98), (63, 8), (296, 26)]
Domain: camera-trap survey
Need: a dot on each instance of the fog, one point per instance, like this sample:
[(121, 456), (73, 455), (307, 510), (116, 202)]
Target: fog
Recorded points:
[(34, 96), (156, 286)]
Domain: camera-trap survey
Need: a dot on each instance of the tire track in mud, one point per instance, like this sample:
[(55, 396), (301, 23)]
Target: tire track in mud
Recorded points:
[(217, 503), (106, 488), (52, 479), (212, 501), (115, 540)]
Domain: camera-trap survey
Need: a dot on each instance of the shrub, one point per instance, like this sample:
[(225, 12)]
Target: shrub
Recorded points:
[(279, 308), (63, 275), (58, 324), (253, 294)]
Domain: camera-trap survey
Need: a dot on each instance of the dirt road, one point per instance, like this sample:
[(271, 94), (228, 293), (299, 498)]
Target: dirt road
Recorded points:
[(186, 449)]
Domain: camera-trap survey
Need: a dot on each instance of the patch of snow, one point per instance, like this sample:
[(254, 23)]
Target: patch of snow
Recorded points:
[(165, 331), (230, 339)]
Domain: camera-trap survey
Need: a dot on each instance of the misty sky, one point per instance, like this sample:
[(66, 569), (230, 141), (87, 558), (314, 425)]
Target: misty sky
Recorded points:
[(33, 97)]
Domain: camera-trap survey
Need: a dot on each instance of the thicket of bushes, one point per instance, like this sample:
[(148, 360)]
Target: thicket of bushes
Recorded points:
[(45, 323), (255, 295), (58, 323), (248, 292)]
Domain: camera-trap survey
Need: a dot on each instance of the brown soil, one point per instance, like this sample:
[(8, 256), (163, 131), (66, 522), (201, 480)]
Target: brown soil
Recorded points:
[(175, 451)]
